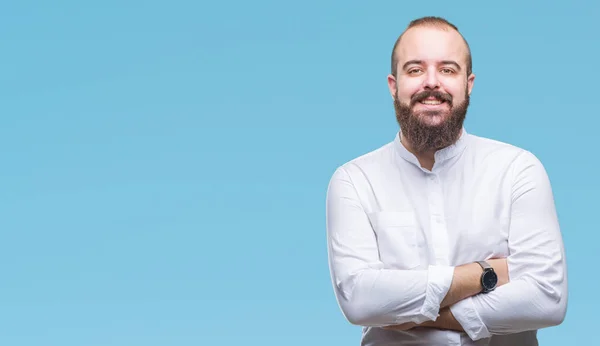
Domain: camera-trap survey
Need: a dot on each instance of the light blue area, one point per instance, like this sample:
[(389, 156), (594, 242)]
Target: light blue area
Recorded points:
[(164, 164)]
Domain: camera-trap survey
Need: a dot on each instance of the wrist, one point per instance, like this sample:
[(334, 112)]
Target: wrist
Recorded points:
[(438, 323), (471, 276), (445, 321), (448, 321), (489, 278), (466, 282)]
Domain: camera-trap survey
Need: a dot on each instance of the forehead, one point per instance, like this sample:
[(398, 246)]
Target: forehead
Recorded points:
[(431, 45)]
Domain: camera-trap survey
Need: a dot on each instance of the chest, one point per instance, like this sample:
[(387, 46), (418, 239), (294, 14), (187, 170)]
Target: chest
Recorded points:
[(439, 219)]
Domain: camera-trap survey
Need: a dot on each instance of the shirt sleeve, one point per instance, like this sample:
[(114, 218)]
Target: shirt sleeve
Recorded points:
[(536, 296), (368, 293)]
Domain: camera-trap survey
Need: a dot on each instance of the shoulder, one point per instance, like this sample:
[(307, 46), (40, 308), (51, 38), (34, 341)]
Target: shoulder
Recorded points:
[(502, 155), (492, 149), (372, 161)]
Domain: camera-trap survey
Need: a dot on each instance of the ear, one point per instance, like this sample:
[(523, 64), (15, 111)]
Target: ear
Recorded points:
[(470, 82), (391, 80)]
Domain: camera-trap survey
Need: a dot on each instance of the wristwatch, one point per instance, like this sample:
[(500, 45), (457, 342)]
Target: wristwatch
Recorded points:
[(489, 279)]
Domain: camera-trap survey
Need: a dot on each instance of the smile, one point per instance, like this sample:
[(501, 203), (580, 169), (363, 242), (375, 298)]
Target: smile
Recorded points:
[(432, 102)]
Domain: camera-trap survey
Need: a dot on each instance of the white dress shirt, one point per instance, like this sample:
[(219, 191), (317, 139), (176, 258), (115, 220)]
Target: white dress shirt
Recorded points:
[(396, 231)]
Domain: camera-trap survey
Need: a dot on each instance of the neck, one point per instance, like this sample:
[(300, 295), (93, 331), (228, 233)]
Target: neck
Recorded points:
[(426, 158)]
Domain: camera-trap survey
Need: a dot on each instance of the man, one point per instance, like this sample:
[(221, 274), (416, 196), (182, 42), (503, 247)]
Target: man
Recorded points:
[(441, 237)]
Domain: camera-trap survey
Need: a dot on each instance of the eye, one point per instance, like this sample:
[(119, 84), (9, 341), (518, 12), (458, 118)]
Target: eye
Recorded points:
[(414, 71), (447, 71)]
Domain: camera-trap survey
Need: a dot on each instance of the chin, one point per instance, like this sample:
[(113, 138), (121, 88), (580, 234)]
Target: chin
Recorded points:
[(433, 119)]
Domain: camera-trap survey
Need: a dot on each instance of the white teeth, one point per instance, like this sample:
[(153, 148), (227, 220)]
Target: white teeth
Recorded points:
[(431, 102)]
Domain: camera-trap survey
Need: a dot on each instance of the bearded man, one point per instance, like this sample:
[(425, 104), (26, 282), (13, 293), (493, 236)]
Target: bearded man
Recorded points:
[(441, 237)]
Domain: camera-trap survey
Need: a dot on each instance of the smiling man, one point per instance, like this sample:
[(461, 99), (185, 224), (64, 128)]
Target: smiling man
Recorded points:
[(441, 237)]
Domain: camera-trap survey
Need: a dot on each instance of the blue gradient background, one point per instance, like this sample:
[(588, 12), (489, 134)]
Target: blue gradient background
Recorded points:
[(164, 164)]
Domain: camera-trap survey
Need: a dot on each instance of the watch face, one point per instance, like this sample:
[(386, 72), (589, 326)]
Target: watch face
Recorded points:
[(490, 279)]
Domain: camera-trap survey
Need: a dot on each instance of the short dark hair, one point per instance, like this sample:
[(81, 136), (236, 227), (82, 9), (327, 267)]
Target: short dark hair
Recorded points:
[(431, 21)]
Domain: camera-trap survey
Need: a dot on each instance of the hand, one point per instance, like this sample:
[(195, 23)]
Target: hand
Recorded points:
[(445, 321), (501, 268), (401, 327)]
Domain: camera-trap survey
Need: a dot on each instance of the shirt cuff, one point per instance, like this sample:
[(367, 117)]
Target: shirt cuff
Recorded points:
[(465, 313), (439, 279)]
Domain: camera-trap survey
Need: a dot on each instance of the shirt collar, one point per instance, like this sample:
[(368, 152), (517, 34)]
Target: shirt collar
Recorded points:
[(440, 155)]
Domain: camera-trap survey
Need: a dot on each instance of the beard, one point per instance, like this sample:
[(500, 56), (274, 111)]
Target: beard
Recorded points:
[(424, 137)]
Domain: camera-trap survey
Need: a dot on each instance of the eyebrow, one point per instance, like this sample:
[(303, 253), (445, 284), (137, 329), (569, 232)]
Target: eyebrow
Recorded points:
[(443, 62)]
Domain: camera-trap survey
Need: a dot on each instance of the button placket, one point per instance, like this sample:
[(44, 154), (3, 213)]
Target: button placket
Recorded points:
[(437, 220)]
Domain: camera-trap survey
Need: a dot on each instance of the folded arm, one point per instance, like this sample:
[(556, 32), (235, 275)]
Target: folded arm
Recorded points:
[(371, 295), (536, 296)]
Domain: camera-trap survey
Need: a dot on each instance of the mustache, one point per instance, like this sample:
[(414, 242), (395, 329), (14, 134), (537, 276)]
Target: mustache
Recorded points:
[(431, 93)]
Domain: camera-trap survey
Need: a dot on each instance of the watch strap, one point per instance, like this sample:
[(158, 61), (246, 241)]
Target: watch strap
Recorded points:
[(485, 265)]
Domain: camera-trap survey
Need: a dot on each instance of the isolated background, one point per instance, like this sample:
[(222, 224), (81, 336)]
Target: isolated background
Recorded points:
[(164, 164)]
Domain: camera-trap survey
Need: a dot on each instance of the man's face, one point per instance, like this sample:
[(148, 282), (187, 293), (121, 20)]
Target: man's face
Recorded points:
[(431, 88)]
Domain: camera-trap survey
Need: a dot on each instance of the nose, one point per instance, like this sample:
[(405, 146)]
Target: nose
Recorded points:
[(431, 81)]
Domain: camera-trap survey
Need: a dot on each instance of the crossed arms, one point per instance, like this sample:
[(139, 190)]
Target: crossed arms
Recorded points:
[(465, 283), (448, 297)]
